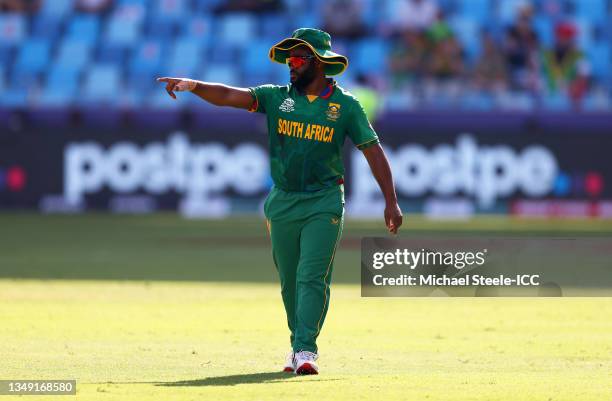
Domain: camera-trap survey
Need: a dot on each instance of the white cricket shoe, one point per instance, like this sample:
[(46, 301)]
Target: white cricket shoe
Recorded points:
[(289, 363), (305, 363)]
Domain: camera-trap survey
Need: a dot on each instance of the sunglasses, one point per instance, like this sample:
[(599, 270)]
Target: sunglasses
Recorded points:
[(298, 61)]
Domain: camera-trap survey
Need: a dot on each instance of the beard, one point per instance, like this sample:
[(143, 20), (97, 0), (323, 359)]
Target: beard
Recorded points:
[(304, 79)]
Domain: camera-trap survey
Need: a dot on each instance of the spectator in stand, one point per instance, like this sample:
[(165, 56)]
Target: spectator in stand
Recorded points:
[(407, 60), (351, 25), (521, 47), (23, 6), (445, 60), (444, 65), (565, 68), (413, 15), (490, 68), (93, 6)]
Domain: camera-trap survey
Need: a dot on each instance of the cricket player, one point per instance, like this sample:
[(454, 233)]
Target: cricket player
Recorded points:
[(308, 122)]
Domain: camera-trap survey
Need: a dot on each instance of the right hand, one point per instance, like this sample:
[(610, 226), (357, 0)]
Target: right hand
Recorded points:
[(178, 85), (393, 217)]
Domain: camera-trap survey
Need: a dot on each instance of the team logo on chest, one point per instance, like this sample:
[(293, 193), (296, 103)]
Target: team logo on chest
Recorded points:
[(288, 105), (333, 111)]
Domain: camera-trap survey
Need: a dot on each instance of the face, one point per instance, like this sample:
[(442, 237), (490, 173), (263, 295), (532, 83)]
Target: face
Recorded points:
[(303, 69)]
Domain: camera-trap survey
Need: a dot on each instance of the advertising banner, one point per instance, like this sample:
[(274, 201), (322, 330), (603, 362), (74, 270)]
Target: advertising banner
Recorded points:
[(452, 167)]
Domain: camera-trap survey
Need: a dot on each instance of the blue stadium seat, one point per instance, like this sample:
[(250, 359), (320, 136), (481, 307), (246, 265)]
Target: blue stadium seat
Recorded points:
[(507, 10), (57, 8), (101, 83), (18, 98), (307, 19), (147, 58), (342, 46), (273, 26), (468, 34), (372, 13), (110, 53), (185, 56), (237, 29), (122, 33), (585, 33), (592, 10), (449, 6), (545, 30), (477, 10), (61, 78), (159, 27), (12, 29), (222, 54), (142, 83), (370, 56), (74, 54), (123, 27), (60, 88), (165, 17), (170, 9), (33, 56), (198, 27), (44, 26), (145, 65), (6, 54), (280, 75), (599, 56), (224, 73), (254, 59), (84, 27)]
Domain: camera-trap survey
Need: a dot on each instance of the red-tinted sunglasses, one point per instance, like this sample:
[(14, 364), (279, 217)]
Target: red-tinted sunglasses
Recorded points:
[(298, 61)]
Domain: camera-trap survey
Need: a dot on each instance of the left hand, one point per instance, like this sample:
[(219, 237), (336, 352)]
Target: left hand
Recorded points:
[(393, 217)]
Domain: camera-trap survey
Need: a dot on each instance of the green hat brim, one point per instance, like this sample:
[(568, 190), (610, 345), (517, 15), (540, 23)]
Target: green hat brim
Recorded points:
[(335, 63)]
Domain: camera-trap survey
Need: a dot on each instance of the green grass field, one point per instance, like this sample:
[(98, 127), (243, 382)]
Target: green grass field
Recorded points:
[(159, 308)]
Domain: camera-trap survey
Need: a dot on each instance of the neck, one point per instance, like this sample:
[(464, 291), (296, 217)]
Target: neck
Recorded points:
[(316, 86)]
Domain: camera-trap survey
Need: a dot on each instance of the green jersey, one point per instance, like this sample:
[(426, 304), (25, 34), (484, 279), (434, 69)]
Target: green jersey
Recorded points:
[(306, 134)]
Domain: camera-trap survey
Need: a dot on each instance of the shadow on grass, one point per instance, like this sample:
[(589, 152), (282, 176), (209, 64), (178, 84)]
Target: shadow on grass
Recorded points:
[(232, 380)]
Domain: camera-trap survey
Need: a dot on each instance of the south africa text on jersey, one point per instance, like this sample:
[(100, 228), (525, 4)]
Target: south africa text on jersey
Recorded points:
[(313, 132)]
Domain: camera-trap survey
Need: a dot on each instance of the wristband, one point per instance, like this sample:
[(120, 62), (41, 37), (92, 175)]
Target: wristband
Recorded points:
[(185, 85)]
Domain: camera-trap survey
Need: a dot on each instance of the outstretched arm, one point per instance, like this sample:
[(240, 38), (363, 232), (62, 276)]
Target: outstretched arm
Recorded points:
[(382, 172), (217, 94)]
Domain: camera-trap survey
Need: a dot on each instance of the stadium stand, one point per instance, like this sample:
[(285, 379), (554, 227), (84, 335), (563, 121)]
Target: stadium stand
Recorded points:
[(70, 55)]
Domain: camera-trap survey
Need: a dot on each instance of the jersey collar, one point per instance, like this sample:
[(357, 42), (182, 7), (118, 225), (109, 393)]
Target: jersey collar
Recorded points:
[(327, 92)]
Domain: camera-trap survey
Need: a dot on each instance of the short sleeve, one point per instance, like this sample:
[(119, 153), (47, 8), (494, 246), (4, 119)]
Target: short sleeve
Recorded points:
[(261, 97), (359, 128)]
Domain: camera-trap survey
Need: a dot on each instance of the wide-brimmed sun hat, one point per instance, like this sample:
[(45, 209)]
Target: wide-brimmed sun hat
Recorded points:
[(318, 41)]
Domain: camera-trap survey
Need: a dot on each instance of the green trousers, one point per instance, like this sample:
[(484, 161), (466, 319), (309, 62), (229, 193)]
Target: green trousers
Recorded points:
[(305, 229)]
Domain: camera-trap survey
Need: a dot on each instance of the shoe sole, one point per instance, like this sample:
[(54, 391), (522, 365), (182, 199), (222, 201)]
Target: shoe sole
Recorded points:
[(288, 370), (306, 369)]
